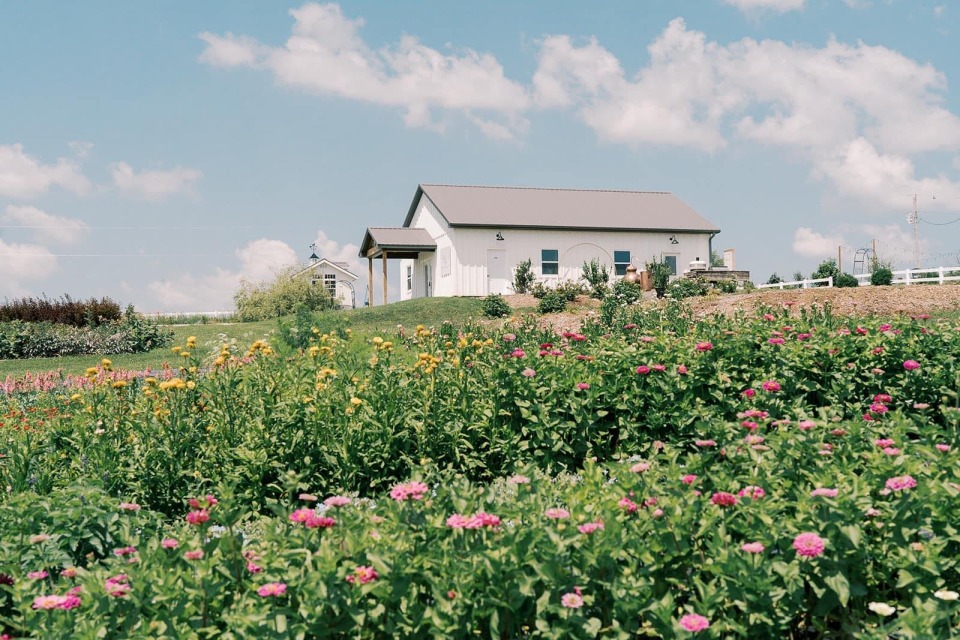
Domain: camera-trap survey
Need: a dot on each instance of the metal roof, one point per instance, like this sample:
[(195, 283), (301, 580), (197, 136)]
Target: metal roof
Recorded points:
[(339, 266), (396, 240), (536, 208)]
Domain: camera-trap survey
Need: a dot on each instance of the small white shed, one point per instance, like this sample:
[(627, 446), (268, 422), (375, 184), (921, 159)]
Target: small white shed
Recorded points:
[(335, 276), (468, 240)]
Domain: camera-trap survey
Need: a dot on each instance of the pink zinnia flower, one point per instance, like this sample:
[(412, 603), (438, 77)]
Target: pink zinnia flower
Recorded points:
[(169, 543), (658, 367), (694, 622), (337, 501), (203, 503), (884, 442), (272, 589), (252, 567), (363, 575), (688, 479), (825, 492), (643, 369), (509, 337), (409, 491), (682, 369), (528, 373), (129, 506), (705, 443), (194, 554), (38, 575), (891, 451), (809, 545), (882, 397), (768, 317), (910, 365), (198, 517), (752, 492), (124, 551), (48, 602), (590, 527), (640, 467), (776, 340), (518, 353), (557, 513), (301, 515), (572, 600), (704, 346), (748, 393), (752, 547), (69, 572), (628, 505), (901, 483), (943, 448), (518, 479), (723, 499), (583, 386), (805, 425), (771, 386)]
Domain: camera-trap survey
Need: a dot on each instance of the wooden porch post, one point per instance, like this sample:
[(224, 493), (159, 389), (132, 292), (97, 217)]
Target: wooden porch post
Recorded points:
[(370, 286), (384, 277)]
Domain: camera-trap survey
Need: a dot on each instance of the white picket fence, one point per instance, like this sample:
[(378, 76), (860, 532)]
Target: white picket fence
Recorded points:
[(803, 284), (939, 275), (188, 314)]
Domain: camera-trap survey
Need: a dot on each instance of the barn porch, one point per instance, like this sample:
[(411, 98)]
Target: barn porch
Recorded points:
[(393, 243)]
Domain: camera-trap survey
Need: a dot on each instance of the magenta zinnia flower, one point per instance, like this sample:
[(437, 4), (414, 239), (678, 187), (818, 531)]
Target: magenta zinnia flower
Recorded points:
[(752, 492), (272, 589), (363, 575), (337, 501), (590, 527), (643, 369), (752, 547), (723, 499), (557, 513), (910, 365), (809, 545), (198, 517), (694, 622), (169, 543), (195, 554), (409, 491), (688, 479), (825, 492), (771, 386), (704, 346)]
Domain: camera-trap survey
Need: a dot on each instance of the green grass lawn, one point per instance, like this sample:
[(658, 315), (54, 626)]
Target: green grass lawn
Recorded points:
[(365, 323)]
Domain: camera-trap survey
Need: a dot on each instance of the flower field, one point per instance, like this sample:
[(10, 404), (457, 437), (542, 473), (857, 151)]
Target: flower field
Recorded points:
[(791, 474)]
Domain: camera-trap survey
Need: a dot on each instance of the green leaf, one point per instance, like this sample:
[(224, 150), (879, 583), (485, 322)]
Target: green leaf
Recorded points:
[(840, 586)]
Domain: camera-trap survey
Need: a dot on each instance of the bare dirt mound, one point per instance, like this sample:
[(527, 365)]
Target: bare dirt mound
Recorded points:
[(859, 301)]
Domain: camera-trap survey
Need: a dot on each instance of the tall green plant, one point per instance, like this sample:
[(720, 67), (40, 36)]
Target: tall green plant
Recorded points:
[(523, 276), (280, 297), (597, 276)]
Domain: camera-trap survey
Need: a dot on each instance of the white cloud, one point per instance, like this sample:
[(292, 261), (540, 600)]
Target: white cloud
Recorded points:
[(939, 9), (24, 262), (47, 227), (782, 6), (80, 148), (153, 184), (884, 181), (812, 244), (23, 176), (326, 55)]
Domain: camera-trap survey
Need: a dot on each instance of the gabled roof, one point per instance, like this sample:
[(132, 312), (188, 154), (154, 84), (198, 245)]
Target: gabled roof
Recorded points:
[(534, 208), (398, 242), (328, 263)]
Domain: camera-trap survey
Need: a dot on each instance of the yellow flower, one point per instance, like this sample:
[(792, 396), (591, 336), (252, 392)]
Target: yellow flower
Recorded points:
[(219, 362), (191, 384), (119, 384), (378, 341), (177, 349), (75, 397), (106, 364), (356, 401), (192, 342), (92, 371), (184, 354)]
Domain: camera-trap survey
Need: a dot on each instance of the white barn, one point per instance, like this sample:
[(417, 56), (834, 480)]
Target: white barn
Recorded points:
[(335, 276), (467, 240)]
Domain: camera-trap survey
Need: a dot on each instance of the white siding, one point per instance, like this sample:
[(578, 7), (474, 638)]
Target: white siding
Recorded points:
[(343, 292), (573, 247), (468, 252)]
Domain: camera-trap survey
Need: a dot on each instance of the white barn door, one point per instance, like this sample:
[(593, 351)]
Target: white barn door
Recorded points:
[(496, 271)]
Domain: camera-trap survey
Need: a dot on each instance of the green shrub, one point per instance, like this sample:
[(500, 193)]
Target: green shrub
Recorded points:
[(552, 302), (845, 280), (494, 306), (659, 273), (131, 334), (523, 276), (569, 289), (882, 276), (686, 288), (538, 290), (598, 277), (727, 286), (774, 278), (826, 269), (280, 297), (65, 310)]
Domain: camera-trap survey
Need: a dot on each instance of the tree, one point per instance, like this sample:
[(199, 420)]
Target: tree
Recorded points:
[(716, 259), (280, 297)]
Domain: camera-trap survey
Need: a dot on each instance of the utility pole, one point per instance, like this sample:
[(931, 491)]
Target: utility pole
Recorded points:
[(915, 219)]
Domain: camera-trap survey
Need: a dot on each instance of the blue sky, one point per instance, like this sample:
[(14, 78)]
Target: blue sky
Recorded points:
[(158, 153)]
